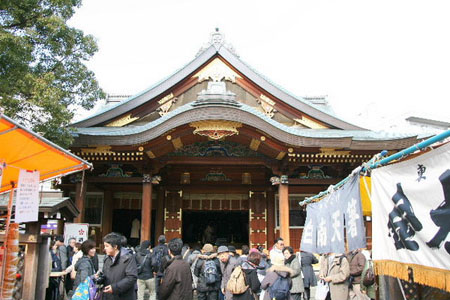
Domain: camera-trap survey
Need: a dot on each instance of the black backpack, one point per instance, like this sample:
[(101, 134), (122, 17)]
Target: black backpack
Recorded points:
[(140, 266), (280, 289), (210, 272), (157, 258)]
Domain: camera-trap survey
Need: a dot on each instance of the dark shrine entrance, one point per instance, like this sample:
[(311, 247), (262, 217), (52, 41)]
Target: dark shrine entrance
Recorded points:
[(216, 227), (123, 223)]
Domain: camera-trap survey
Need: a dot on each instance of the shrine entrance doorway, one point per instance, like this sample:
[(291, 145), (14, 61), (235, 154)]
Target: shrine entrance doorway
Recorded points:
[(216, 227)]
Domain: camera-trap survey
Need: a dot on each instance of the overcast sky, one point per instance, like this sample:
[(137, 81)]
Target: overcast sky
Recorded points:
[(390, 57)]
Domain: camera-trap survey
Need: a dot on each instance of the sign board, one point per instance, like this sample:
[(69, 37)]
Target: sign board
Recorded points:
[(78, 231), (27, 199)]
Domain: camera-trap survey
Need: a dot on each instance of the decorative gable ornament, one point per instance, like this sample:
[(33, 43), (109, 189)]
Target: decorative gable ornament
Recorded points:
[(267, 105), (216, 129), (166, 104), (217, 39), (216, 71)]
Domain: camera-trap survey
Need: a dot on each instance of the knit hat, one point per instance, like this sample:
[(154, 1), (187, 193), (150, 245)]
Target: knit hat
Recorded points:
[(208, 248), (277, 260), (222, 249)]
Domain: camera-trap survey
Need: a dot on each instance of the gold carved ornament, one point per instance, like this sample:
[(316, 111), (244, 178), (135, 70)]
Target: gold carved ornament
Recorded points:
[(216, 129), (267, 105)]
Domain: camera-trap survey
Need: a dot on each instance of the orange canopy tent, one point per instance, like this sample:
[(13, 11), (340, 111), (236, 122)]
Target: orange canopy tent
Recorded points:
[(21, 148)]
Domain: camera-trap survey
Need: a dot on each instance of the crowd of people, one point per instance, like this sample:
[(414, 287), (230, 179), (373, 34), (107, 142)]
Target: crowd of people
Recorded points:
[(175, 271)]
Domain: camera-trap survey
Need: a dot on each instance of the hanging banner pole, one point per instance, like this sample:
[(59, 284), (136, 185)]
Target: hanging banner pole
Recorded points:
[(372, 165)]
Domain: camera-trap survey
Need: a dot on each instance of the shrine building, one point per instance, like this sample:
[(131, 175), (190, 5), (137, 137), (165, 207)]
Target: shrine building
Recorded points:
[(214, 153)]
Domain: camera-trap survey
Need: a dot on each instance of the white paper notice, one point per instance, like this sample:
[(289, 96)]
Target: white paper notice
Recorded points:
[(27, 199), (77, 231)]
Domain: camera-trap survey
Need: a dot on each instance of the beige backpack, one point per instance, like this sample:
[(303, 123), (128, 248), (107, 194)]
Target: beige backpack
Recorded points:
[(236, 284)]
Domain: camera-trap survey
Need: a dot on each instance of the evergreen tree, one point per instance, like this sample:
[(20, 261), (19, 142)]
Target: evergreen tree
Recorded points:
[(43, 78)]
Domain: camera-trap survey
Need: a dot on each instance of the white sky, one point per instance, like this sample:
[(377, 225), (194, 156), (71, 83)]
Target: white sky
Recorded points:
[(390, 57)]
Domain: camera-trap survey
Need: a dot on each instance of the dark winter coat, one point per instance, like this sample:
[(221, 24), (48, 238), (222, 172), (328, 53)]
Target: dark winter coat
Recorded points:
[(202, 286), (251, 279), (84, 268), (272, 275), (144, 261), (308, 259), (357, 261), (121, 273), (177, 281)]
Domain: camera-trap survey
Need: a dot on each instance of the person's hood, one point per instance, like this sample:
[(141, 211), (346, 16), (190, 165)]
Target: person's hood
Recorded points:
[(81, 260), (283, 271), (207, 255)]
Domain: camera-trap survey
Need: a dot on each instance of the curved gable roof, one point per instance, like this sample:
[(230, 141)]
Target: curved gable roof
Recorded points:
[(212, 51)]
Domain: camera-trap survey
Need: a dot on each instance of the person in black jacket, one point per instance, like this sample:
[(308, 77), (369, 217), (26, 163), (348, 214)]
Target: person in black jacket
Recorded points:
[(249, 267), (309, 279), (159, 259), (119, 269), (207, 291), (145, 273)]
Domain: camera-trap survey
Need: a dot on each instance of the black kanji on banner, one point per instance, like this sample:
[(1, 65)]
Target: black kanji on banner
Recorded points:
[(441, 215), (403, 223)]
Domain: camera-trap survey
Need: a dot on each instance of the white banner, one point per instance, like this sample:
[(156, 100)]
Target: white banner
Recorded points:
[(78, 231), (27, 198), (411, 210), (324, 226)]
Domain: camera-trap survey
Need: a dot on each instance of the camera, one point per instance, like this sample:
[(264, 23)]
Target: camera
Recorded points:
[(100, 279)]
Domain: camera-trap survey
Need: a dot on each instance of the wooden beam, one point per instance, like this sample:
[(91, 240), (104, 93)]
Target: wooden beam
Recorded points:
[(146, 210), (108, 206), (159, 214), (283, 197), (80, 197)]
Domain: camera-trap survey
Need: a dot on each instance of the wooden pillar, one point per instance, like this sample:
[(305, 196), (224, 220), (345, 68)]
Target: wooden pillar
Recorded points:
[(108, 206), (44, 267), (146, 209), (270, 218), (80, 196), (283, 195), (159, 214), (31, 261)]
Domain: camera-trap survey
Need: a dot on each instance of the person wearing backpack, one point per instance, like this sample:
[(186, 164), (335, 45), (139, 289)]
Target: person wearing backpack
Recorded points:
[(357, 261), (277, 283), (227, 264), (207, 269), (368, 285), (335, 270), (292, 261), (251, 283), (144, 271), (159, 252)]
